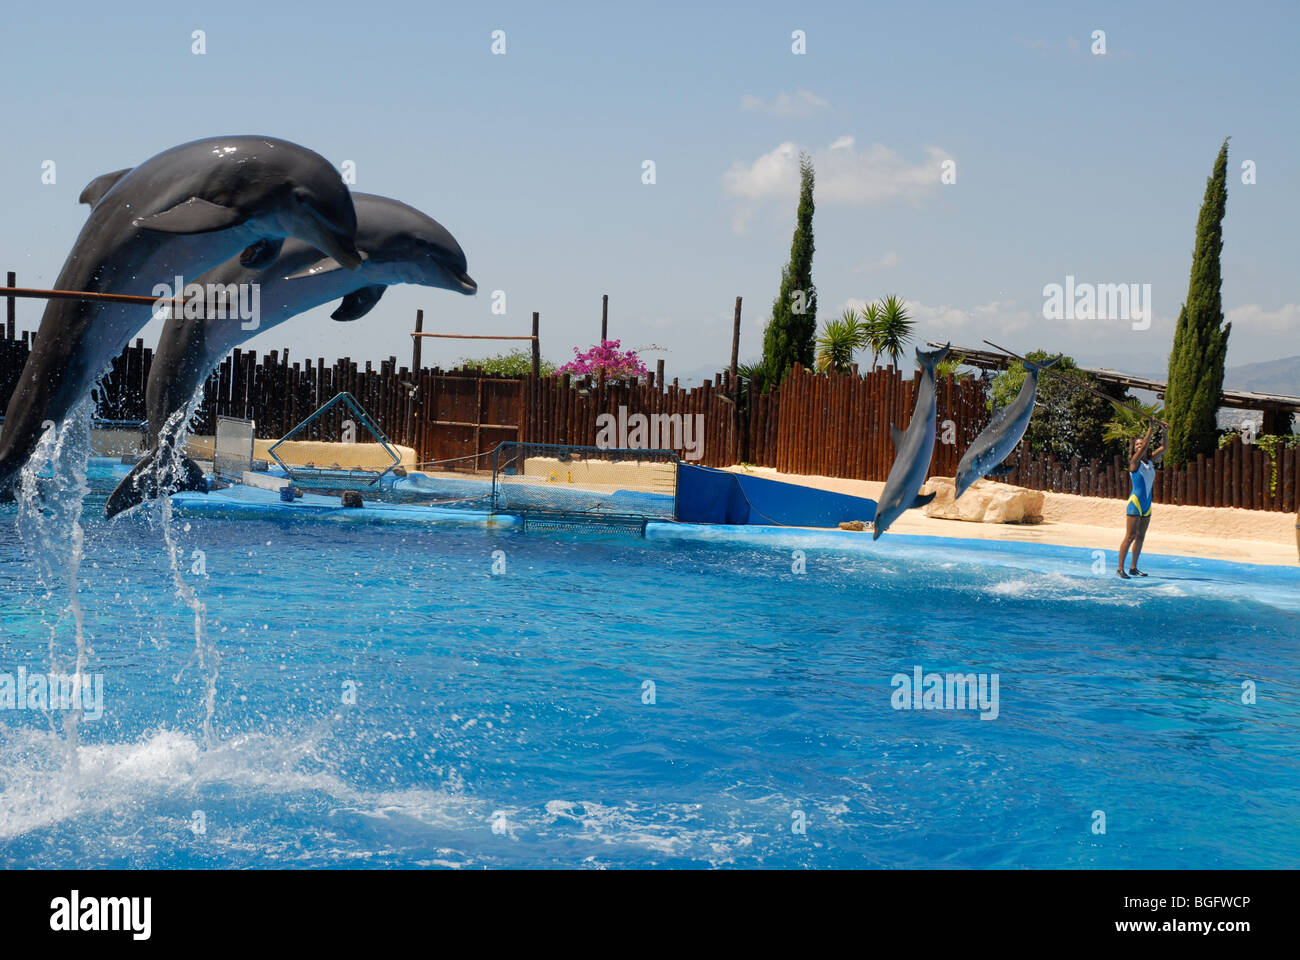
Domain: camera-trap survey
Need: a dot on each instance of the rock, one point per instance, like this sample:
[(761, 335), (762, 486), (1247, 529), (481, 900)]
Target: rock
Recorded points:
[(986, 501), (852, 525)]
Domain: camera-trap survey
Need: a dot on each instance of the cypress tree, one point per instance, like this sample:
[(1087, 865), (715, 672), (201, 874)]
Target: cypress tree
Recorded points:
[(1201, 338), (791, 333)]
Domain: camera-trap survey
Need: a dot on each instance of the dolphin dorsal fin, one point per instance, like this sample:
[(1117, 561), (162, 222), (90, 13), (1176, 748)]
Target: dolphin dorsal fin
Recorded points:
[(897, 435), (95, 190)]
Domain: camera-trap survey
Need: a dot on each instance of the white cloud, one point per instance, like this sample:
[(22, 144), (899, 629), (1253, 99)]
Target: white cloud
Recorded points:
[(1253, 318), (886, 262), (797, 104), (846, 176), (932, 322)]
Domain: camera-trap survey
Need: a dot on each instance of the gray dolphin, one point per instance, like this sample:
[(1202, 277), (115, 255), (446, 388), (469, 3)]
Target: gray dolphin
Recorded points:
[(178, 213), (400, 245), (999, 438), (913, 451)]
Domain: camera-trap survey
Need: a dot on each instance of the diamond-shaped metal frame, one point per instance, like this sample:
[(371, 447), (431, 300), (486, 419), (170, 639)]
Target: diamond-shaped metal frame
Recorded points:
[(362, 417)]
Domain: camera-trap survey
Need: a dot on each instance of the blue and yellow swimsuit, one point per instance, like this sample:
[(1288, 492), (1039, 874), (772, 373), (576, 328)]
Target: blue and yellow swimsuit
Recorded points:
[(1139, 501)]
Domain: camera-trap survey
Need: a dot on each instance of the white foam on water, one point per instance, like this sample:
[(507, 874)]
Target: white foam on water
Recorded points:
[(40, 790)]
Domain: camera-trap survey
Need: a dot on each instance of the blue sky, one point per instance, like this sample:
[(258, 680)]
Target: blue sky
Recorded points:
[(1067, 163)]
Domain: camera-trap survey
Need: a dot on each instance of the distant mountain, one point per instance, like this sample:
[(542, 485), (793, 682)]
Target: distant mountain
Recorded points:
[(1270, 376)]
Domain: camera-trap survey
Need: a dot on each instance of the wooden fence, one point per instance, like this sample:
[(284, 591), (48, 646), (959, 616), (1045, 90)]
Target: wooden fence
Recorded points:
[(831, 425)]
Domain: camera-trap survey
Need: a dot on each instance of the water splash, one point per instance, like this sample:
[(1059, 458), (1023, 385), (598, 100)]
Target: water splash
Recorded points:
[(51, 496), (205, 650)]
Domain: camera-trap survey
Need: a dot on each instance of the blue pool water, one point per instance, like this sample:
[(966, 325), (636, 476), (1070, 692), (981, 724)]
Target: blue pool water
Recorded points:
[(500, 719)]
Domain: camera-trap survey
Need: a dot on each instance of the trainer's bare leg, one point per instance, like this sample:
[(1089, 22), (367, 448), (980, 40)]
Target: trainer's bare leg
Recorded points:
[(1142, 524)]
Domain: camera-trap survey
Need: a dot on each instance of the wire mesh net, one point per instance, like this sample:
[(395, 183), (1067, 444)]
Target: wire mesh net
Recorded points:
[(584, 482)]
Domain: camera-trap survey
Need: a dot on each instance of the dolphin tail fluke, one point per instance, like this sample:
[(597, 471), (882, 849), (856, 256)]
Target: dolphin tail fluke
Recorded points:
[(1044, 366), (929, 358), (147, 481), (8, 484), (922, 499)]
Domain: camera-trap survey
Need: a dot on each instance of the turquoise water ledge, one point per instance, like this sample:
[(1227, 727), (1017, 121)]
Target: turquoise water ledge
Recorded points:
[(861, 541)]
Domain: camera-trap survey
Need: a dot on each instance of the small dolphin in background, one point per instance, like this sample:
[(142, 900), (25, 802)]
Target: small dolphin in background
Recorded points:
[(999, 438), (913, 450), (399, 245), (185, 210)]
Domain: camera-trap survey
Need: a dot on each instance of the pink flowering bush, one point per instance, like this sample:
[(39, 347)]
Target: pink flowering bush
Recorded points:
[(606, 358)]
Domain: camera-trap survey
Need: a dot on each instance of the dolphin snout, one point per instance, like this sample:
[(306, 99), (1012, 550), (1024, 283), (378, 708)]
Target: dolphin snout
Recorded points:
[(467, 284), (342, 248)]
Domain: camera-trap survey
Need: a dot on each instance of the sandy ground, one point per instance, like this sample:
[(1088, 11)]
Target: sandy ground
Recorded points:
[(1224, 533)]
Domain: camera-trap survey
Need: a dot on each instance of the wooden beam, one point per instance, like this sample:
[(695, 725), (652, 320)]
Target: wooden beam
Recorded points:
[(537, 348), (735, 343), (417, 343)]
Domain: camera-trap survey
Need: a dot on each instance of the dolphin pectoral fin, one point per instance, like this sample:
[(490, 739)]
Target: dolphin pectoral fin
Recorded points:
[(358, 303), (194, 215), (95, 190), (1001, 470), (262, 254), (897, 435), (922, 499), (144, 482)]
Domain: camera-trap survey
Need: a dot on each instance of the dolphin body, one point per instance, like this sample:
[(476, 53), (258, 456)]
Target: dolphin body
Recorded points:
[(400, 245), (185, 210), (999, 438), (913, 451)]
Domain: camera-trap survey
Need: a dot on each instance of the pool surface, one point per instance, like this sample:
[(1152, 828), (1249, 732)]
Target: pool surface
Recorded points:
[(442, 695)]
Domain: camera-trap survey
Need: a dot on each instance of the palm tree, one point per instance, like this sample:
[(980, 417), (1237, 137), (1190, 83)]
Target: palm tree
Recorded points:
[(841, 337), (895, 327), (1128, 425), (871, 320), (753, 372)]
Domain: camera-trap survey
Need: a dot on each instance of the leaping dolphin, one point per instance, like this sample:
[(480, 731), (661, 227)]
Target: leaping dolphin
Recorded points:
[(400, 245), (185, 210), (999, 438), (913, 450)]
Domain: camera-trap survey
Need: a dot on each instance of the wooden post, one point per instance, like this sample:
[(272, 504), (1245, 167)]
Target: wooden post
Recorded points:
[(537, 348), (604, 317), (659, 372), (415, 349), (12, 324), (735, 342)]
